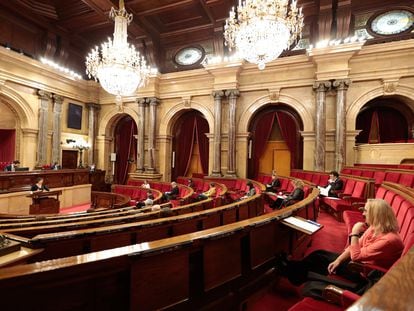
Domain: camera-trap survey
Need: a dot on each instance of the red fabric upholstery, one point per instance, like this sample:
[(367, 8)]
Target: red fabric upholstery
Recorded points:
[(407, 180), (392, 177), (310, 304)]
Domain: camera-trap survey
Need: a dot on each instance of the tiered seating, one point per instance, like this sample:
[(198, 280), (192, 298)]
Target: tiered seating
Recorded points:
[(202, 185), (136, 193), (399, 176), (212, 269), (185, 193)]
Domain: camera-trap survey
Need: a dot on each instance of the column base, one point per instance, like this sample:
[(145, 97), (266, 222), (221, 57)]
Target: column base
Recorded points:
[(215, 174), (145, 175), (231, 175)]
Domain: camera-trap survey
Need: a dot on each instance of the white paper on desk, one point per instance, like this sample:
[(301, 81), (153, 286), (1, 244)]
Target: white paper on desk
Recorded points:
[(281, 196), (302, 224)]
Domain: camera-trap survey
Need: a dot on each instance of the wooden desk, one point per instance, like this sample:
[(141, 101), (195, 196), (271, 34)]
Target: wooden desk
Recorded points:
[(45, 203), (18, 257)]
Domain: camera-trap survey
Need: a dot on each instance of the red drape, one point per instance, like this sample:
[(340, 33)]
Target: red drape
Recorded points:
[(184, 142), (203, 143), (125, 148), (261, 135), (7, 145), (289, 134)]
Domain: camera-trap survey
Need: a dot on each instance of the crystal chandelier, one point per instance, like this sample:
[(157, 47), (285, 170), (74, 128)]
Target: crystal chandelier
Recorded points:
[(262, 29), (117, 65)]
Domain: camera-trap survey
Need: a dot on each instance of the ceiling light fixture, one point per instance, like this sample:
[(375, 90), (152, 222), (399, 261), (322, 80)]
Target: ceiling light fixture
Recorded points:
[(118, 66), (262, 29)]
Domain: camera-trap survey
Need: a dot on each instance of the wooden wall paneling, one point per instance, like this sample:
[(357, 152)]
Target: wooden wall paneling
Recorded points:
[(186, 226), (166, 283), (221, 259), (243, 211), (229, 216), (153, 233), (212, 221), (99, 243), (263, 241)]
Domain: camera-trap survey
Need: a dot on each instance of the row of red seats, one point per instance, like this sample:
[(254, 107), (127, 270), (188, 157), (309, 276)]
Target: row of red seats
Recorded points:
[(184, 193), (389, 166), (402, 203), (402, 177), (201, 185), (136, 193), (317, 178)]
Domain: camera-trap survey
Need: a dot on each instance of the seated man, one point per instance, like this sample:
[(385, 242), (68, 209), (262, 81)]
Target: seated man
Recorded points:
[(173, 193), (379, 244), (12, 167), (251, 191), (296, 195), (274, 184), (209, 193), (335, 184)]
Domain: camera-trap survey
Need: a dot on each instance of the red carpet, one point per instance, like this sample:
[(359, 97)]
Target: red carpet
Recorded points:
[(75, 209), (332, 237)]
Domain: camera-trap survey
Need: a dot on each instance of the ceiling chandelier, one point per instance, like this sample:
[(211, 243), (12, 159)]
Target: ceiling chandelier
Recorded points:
[(117, 65), (262, 29)]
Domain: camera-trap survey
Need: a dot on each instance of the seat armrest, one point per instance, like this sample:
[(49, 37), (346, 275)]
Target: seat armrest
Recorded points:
[(339, 296), (364, 268)]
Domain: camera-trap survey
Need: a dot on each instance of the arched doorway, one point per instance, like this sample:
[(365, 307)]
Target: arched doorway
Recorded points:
[(276, 143), (384, 120), (125, 148), (8, 125), (190, 145)]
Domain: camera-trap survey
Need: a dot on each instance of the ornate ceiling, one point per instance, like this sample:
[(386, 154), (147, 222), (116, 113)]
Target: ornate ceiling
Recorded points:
[(65, 30)]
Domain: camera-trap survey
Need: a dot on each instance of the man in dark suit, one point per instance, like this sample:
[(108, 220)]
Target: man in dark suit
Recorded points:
[(12, 167), (173, 193), (336, 184), (274, 184)]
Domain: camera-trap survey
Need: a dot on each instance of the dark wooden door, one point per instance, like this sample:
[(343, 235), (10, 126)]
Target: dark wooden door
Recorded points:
[(69, 159)]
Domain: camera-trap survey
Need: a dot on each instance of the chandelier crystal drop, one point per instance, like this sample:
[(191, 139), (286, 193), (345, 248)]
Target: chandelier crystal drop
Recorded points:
[(118, 66), (262, 29)]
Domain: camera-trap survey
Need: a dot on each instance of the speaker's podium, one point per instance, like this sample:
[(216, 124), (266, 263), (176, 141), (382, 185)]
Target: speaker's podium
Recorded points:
[(45, 202)]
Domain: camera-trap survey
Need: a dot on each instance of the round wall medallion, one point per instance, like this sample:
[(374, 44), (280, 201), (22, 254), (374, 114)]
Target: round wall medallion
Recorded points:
[(392, 22), (189, 56)]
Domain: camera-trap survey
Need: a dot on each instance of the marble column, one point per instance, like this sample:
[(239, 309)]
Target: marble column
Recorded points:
[(43, 123), (320, 87), (340, 138), (153, 102), (231, 158), (93, 110), (57, 128), (140, 135), (216, 172)]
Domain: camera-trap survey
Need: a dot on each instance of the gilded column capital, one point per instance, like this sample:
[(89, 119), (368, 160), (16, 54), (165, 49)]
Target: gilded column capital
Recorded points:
[(341, 84), (57, 99), (232, 93), (322, 86), (44, 95), (217, 94), (93, 106)]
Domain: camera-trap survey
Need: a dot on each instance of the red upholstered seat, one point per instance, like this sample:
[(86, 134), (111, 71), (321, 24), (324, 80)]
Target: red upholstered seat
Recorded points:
[(316, 179), (407, 180), (284, 184), (310, 304), (308, 176), (381, 192), (396, 204), (348, 188), (351, 218), (392, 177), (367, 173)]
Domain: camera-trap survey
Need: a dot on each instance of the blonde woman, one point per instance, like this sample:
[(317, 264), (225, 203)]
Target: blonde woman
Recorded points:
[(296, 195), (376, 242)]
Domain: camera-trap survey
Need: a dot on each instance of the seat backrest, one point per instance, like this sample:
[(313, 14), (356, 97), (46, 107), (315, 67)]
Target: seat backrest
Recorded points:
[(406, 180), (405, 206), (392, 177), (324, 180), (389, 197), (396, 204), (238, 184), (381, 192), (316, 178), (379, 177), (407, 227), (308, 176), (367, 173), (359, 190), (349, 186)]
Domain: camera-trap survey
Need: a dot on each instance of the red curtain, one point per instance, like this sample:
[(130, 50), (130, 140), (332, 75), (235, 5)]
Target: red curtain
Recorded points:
[(184, 142), (260, 137), (289, 134), (203, 143), (393, 126), (125, 148), (7, 145)]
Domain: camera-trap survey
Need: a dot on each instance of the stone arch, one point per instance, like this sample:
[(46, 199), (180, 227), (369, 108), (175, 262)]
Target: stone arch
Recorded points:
[(22, 109), (169, 118), (356, 106), (249, 112), (110, 119)]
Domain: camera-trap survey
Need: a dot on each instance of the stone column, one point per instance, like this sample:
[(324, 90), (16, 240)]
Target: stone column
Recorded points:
[(320, 87), (340, 138), (153, 102), (43, 122), (140, 135), (231, 158), (57, 128), (92, 122), (217, 134)]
